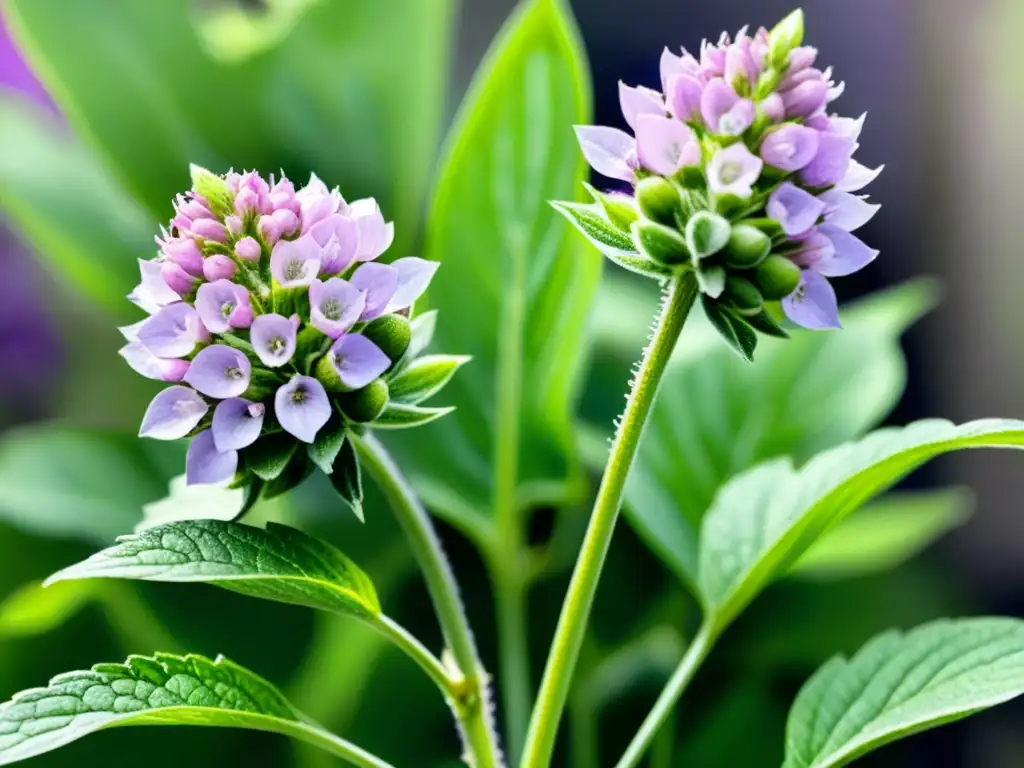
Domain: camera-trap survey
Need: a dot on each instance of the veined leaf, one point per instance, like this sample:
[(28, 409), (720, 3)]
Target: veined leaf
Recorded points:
[(765, 519), (517, 281), (276, 563), (884, 534), (717, 415), (158, 690), (898, 685)]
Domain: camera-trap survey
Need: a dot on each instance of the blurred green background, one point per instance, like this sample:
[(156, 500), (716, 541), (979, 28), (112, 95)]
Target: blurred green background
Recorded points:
[(362, 91)]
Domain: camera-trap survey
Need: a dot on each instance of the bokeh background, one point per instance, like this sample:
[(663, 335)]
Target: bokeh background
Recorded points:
[(943, 84)]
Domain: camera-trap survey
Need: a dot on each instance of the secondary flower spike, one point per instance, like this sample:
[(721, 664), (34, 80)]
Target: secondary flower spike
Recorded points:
[(279, 330), (740, 174)]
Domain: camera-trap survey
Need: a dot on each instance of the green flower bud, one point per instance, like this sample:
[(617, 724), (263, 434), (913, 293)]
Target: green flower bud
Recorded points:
[(743, 295), (365, 404), (214, 189), (770, 227), (706, 234), (776, 277), (659, 243), (392, 333), (748, 246), (658, 199), (787, 35), (620, 209)]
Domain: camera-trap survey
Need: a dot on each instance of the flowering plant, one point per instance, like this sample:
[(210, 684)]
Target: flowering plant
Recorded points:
[(286, 338)]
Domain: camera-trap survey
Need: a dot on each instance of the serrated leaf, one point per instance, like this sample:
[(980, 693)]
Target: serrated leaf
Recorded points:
[(736, 332), (425, 377), (589, 218), (276, 563), (717, 415), (325, 448), (347, 479), (764, 520), (898, 685), (884, 534), (531, 278), (269, 456), (161, 690), (399, 416)]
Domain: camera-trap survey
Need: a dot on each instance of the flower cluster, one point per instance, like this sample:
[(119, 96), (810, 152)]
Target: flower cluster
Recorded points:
[(268, 312), (741, 175)]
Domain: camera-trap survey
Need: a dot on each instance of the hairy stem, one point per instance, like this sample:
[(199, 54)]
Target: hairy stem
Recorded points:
[(666, 702), (469, 698), (578, 601)]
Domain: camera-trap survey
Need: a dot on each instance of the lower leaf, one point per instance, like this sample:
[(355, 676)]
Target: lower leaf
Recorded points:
[(158, 690)]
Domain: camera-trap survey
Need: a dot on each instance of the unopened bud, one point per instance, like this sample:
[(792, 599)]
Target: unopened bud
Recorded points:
[(747, 247), (659, 200), (777, 277), (660, 243), (787, 35), (365, 404), (213, 189), (391, 333)]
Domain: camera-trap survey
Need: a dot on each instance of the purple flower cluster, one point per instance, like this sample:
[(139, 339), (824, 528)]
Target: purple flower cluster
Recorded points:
[(270, 315), (742, 132)]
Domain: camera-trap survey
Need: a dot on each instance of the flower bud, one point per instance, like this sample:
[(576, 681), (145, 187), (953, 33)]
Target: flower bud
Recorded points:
[(278, 224), (777, 277), (177, 279), (213, 189), (208, 229), (658, 199), (706, 234), (660, 243), (184, 252), (233, 224), (365, 404), (620, 209), (392, 334), (743, 295), (747, 247), (806, 98), (787, 35), (248, 249), (219, 267)]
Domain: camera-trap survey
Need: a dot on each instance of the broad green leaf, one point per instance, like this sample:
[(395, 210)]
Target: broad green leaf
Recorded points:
[(335, 94), (274, 563), (764, 520), (884, 534), (81, 483), (425, 377), (33, 610), (159, 690), (901, 684), (516, 282), (717, 415), (67, 208)]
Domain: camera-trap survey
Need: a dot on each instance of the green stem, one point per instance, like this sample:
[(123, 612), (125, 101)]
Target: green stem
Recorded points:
[(332, 744), (470, 702), (580, 597), (666, 702), (514, 676), (416, 651)]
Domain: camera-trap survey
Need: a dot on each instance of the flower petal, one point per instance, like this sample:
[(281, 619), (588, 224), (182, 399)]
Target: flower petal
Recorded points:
[(216, 302), (144, 362), (790, 148), (172, 332), (236, 423), (857, 177), (662, 143), (813, 304), (378, 283), (205, 465), (414, 275), (358, 360), (374, 234), (302, 407), (849, 253), (609, 151), (847, 211), (639, 101), (795, 209), (335, 305), (173, 413), (295, 263), (219, 371), (830, 164), (273, 338)]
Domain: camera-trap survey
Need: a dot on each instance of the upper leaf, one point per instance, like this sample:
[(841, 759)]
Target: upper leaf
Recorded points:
[(162, 690), (898, 685), (516, 281), (765, 519), (717, 415), (276, 563)]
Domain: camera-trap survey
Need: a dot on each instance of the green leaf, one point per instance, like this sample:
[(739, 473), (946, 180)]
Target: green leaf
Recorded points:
[(236, 33), (424, 378), (885, 534), (347, 479), (269, 456), (530, 279), (276, 563), (399, 416), (706, 234), (765, 519), (736, 332), (901, 684), (158, 690), (329, 440), (717, 415), (67, 207), (661, 244), (423, 327), (32, 610), (590, 219), (81, 483)]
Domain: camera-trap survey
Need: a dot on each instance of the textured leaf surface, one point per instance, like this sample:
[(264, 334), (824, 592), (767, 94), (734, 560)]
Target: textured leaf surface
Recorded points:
[(516, 281), (717, 415), (765, 519), (884, 534), (898, 685), (276, 563), (162, 690)]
